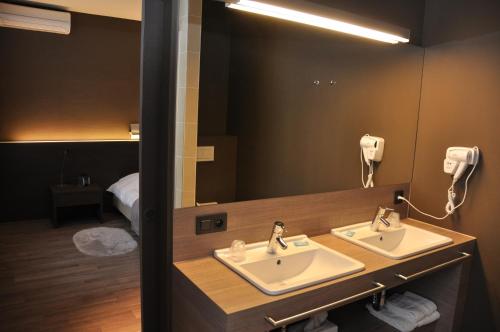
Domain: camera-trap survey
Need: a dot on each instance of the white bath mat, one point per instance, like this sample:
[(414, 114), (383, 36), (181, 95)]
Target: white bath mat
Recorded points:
[(104, 241)]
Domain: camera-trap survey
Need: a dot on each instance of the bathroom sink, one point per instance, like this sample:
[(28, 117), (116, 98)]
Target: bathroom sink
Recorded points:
[(395, 243), (303, 264)]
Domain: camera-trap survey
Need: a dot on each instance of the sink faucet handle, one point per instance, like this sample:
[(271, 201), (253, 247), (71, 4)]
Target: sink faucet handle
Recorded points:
[(380, 212), (386, 222), (394, 219), (387, 212), (385, 216), (276, 237), (381, 215), (279, 226)]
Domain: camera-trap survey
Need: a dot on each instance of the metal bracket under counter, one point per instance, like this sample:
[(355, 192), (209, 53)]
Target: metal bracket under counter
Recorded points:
[(435, 268)]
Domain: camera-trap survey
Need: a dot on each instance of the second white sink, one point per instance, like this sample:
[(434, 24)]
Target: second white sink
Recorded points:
[(395, 243), (303, 264)]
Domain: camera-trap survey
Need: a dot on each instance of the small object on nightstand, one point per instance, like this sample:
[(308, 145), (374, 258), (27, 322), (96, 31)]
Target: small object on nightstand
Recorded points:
[(72, 196), (83, 180)]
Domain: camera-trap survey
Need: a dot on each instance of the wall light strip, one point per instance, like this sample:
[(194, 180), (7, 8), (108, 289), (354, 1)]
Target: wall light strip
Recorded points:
[(314, 20), (70, 141)]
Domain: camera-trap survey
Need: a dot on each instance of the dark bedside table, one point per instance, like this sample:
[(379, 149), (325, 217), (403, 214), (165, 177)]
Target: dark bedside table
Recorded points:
[(72, 195)]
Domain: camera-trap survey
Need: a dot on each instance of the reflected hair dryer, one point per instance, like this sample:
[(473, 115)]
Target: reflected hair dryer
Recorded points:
[(458, 159)]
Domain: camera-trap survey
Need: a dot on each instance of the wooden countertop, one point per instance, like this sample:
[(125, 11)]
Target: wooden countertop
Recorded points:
[(231, 293)]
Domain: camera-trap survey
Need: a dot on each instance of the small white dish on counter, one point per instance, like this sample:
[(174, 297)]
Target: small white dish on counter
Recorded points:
[(304, 263), (395, 243)]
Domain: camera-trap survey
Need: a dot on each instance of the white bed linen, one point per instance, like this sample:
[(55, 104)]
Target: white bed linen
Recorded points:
[(125, 210), (126, 189)]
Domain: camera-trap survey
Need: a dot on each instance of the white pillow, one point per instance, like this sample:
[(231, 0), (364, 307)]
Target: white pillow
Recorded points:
[(126, 189)]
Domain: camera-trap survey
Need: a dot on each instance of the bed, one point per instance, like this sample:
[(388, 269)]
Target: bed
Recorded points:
[(126, 198)]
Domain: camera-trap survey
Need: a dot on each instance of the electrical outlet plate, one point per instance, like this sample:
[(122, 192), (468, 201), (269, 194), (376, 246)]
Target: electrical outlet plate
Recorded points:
[(211, 223), (396, 194)]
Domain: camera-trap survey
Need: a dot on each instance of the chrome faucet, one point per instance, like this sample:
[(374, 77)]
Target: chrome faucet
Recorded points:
[(381, 216), (276, 238)]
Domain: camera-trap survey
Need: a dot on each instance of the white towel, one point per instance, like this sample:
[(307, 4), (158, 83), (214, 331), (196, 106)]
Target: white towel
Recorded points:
[(398, 322), (409, 307), (315, 321), (407, 311), (429, 319), (296, 327), (428, 304), (327, 326)]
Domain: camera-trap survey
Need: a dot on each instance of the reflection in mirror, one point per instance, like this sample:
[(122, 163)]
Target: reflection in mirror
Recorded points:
[(285, 106)]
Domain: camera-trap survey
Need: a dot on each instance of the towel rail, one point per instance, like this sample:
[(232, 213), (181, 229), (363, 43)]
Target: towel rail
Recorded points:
[(463, 256), (295, 318)]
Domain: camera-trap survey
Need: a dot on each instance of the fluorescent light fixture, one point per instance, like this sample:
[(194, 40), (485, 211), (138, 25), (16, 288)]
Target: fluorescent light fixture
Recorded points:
[(314, 20), (36, 19)]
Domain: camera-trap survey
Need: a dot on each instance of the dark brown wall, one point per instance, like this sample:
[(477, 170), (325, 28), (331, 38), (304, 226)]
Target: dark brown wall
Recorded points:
[(216, 180), (298, 138), (214, 69), (216, 44), (81, 86), (216, 49), (28, 169), (460, 105), (458, 20)]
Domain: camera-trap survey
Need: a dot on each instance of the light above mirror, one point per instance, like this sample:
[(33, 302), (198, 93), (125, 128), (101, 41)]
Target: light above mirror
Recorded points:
[(330, 23)]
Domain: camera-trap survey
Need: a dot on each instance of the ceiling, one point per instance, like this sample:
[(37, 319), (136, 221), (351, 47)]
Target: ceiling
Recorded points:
[(127, 9)]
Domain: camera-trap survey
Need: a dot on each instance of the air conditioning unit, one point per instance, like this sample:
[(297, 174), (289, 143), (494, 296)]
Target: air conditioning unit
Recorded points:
[(28, 18)]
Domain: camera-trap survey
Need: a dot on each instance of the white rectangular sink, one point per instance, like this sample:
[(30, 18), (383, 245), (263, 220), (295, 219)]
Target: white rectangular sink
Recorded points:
[(395, 243), (303, 264)]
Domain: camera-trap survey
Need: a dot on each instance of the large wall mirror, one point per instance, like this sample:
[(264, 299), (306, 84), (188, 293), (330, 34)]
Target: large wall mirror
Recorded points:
[(285, 105)]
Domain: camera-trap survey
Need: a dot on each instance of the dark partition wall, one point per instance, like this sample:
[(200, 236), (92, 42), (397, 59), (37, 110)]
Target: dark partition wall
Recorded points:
[(84, 85), (28, 169)]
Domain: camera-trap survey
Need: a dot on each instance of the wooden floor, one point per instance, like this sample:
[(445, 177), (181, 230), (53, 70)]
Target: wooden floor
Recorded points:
[(46, 284)]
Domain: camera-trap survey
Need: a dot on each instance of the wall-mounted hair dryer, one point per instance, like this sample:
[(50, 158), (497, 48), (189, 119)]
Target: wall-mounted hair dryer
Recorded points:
[(372, 150), (458, 159), (456, 162)]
